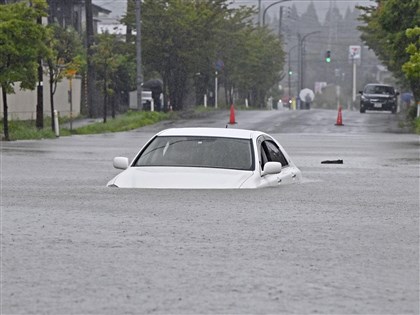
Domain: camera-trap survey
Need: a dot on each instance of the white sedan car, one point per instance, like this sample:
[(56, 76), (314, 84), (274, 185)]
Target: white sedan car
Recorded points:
[(207, 158)]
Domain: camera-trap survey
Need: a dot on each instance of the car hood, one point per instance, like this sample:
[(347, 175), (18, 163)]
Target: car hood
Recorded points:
[(180, 177)]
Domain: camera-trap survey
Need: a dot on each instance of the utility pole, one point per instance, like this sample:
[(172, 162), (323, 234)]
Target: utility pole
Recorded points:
[(138, 55), (259, 13), (129, 32), (268, 7), (40, 91), (280, 20), (299, 68), (91, 78)]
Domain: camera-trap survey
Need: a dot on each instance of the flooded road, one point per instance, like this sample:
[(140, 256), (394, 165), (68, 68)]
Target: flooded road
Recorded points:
[(346, 240)]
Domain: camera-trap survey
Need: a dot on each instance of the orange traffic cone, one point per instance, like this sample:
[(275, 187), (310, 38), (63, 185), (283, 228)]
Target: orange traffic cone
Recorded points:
[(339, 117), (232, 115)]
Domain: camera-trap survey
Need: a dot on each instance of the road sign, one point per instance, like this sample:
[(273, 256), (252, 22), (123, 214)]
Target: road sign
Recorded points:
[(355, 52), (219, 65)]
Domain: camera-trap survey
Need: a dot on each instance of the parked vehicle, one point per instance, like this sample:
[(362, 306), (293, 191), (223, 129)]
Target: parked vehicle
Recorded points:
[(380, 97), (207, 158)]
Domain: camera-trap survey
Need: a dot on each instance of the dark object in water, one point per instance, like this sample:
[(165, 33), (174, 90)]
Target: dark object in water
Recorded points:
[(332, 162)]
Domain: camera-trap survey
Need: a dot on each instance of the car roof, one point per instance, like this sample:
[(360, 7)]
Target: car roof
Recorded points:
[(211, 132)]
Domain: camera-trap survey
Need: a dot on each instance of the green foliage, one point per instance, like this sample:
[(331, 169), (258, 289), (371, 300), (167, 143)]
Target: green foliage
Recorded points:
[(183, 39), (413, 121), (22, 43), (67, 52), (27, 130), (259, 68), (385, 31), (128, 121), (412, 67), (106, 57), (114, 67), (417, 125), (66, 58)]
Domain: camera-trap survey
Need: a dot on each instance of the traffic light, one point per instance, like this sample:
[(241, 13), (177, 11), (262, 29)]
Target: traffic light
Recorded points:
[(328, 56), (290, 72)]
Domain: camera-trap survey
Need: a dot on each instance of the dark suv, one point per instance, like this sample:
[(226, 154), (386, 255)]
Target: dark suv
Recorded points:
[(378, 97)]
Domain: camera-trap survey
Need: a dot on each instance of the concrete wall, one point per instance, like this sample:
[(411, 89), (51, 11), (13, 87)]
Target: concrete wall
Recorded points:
[(22, 104)]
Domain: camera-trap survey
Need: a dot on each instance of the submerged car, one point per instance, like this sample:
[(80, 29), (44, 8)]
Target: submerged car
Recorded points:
[(207, 158), (378, 97)]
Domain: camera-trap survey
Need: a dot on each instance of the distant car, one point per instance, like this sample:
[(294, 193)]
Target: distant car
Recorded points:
[(381, 97), (207, 158)]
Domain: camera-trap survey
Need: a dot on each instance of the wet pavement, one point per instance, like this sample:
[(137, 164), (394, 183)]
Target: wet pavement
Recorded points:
[(345, 241)]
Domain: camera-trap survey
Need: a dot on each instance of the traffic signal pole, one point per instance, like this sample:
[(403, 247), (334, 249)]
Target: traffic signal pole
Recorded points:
[(301, 41)]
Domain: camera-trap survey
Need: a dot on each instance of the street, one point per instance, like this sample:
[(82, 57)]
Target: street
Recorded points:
[(345, 241)]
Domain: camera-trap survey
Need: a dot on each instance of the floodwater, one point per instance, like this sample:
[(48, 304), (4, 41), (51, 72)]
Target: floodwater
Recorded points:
[(345, 241)]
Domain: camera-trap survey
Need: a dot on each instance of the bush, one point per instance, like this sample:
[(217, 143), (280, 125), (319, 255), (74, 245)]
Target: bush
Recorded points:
[(26, 129), (412, 119), (129, 121)]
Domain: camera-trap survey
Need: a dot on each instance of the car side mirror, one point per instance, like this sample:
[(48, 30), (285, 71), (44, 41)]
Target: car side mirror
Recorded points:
[(360, 92), (271, 168), (120, 162)]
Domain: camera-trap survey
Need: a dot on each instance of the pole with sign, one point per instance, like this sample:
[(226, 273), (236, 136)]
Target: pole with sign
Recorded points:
[(354, 54)]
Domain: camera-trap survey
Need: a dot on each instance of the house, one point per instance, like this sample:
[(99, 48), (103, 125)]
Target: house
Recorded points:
[(73, 13)]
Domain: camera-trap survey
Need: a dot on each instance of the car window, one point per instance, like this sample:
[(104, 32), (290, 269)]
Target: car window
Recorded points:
[(192, 151), (379, 89), (270, 152)]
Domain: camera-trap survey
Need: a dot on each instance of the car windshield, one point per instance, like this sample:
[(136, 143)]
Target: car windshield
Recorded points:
[(193, 151), (379, 89)]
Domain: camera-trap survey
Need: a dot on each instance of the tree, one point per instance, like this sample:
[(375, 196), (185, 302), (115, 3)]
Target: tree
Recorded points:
[(66, 57), (385, 31), (22, 41), (183, 39), (412, 67), (107, 60), (170, 41)]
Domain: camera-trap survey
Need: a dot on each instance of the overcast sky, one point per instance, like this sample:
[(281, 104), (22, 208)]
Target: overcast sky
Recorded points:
[(118, 7)]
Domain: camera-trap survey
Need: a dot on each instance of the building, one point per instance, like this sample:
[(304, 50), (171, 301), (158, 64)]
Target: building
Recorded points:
[(72, 13)]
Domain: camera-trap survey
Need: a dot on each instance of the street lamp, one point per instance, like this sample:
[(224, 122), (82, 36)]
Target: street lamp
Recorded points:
[(265, 10), (300, 57)]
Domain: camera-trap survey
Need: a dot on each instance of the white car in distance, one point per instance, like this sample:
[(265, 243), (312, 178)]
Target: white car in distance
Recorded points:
[(207, 158)]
